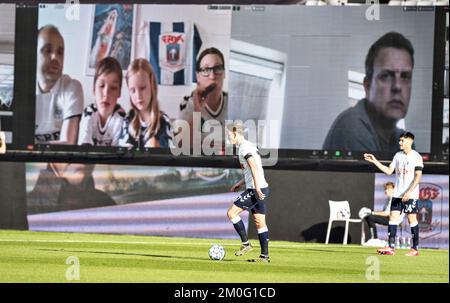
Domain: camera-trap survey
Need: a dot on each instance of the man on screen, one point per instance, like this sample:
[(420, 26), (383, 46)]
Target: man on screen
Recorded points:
[(372, 123), (59, 99)]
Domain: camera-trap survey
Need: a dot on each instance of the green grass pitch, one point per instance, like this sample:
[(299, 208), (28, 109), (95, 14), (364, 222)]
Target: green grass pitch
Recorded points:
[(41, 257)]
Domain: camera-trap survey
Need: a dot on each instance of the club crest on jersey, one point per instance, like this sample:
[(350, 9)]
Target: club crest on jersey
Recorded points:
[(172, 51)]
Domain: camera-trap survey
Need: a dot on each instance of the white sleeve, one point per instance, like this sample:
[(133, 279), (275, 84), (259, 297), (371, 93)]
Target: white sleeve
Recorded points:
[(393, 164), (247, 149), (419, 161), (85, 132), (73, 99)]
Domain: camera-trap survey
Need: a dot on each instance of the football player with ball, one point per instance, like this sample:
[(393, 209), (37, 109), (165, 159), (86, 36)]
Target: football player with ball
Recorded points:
[(254, 198)]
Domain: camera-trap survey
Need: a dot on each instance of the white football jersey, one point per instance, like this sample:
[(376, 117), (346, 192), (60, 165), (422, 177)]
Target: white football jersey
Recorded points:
[(247, 150), (93, 133), (65, 100), (405, 167)]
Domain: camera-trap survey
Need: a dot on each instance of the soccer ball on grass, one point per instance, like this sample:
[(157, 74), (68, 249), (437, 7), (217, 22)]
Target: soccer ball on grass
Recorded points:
[(216, 252)]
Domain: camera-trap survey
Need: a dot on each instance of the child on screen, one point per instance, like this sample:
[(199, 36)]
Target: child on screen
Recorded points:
[(101, 123), (145, 125)]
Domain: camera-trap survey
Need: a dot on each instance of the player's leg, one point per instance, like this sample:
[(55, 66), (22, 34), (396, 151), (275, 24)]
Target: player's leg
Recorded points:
[(259, 217), (396, 209), (239, 205), (238, 224), (263, 233), (392, 227), (371, 222), (411, 211)]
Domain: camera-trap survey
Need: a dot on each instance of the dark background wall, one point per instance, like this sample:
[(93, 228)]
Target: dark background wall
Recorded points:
[(12, 196), (297, 208)]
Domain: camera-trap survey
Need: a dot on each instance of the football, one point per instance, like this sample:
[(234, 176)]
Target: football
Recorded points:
[(216, 252)]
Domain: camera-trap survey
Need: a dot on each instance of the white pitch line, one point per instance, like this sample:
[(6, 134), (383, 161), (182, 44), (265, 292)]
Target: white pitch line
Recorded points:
[(175, 243)]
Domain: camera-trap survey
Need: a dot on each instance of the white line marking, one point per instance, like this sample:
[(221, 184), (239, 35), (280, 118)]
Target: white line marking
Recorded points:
[(304, 245)]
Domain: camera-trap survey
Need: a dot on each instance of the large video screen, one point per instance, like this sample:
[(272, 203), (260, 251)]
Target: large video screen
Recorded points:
[(163, 201), (301, 78), (7, 34), (326, 98)]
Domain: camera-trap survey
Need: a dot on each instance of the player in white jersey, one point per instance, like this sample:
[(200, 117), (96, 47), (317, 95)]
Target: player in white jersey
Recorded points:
[(254, 198), (408, 165), (101, 123), (59, 99)]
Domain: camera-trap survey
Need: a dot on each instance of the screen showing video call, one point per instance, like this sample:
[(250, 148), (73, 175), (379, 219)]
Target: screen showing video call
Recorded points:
[(7, 25), (301, 78)]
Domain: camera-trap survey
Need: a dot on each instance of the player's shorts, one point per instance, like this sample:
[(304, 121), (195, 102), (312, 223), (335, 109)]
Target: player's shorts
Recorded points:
[(249, 200), (408, 207)]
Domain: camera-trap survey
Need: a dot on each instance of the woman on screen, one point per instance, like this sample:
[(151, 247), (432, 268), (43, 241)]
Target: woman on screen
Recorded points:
[(146, 125), (208, 98), (101, 122)]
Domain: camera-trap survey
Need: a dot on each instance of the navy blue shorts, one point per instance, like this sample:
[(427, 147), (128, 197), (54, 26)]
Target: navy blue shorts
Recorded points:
[(249, 200), (408, 207)]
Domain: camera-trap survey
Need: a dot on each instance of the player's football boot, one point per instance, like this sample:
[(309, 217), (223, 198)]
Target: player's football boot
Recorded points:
[(261, 259), (386, 251), (243, 250), (412, 253)]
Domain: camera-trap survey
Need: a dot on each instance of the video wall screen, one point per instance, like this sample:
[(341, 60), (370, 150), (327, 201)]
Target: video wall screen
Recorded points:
[(7, 35), (323, 75), (167, 41), (164, 201), (147, 77)]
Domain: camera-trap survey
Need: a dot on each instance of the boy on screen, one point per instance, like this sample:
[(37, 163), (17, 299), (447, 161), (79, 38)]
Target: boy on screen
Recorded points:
[(102, 121)]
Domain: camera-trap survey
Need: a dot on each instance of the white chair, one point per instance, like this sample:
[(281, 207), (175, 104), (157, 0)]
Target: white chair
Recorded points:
[(340, 211)]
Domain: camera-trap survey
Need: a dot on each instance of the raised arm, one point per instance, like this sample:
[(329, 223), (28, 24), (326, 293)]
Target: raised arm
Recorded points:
[(385, 169)]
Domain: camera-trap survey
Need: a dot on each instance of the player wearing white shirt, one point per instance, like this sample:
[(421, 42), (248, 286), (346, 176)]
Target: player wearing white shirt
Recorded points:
[(408, 165), (405, 166), (247, 150), (254, 198), (59, 99)]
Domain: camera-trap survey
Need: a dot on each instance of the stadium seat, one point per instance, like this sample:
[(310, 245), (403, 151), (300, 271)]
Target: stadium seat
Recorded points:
[(340, 211)]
